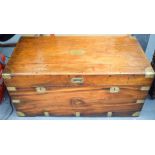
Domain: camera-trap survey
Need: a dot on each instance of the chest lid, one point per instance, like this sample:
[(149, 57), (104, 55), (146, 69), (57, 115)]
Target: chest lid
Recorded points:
[(78, 55)]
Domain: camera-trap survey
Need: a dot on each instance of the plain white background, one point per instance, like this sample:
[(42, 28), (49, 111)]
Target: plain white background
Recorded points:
[(77, 17)]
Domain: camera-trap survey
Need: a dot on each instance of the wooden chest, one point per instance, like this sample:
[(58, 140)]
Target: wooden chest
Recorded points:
[(78, 76)]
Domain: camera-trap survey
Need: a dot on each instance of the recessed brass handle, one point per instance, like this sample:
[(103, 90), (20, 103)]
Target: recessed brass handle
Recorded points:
[(77, 80), (114, 89), (40, 89)]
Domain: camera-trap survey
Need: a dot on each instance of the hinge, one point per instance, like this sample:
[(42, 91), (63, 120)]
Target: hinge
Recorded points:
[(11, 88), (77, 114), (114, 89), (149, 72), (15, 101), (21, 114), (109, 114), (145, 88), (136, 114), (40, 89), (6, 75), (140, 101), (46, 114)]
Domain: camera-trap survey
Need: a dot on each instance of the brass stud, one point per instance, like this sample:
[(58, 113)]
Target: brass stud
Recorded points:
[(77, 114), (46, 114), (109, 114)]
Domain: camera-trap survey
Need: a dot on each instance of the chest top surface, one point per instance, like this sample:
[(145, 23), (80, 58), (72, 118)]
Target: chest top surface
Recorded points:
[(94, 55)]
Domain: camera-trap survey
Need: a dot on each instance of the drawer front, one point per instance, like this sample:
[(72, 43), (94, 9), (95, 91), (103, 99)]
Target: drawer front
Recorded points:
[(84, 100)]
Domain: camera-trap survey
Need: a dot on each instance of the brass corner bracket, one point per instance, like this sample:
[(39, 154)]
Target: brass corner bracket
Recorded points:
[(20, 114), (149, 72), (11, 88), (6, 75)]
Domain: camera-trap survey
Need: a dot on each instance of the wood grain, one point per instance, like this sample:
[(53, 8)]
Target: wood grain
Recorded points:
[(101, 55), (65, 80), (86, 100), (85, 111)]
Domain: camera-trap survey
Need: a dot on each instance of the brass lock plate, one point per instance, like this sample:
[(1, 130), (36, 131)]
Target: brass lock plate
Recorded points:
[(77, 80)]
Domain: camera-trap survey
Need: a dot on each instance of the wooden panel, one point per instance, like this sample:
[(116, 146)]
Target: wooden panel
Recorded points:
[(86, 100), (64, 80), (87, 111), (56, 89), (63, 55), (63, 94)]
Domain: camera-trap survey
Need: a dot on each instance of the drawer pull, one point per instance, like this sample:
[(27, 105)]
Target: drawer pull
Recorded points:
[(77, 80)]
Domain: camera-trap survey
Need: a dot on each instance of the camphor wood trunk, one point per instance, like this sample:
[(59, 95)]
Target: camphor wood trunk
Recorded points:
[(78, 76)]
